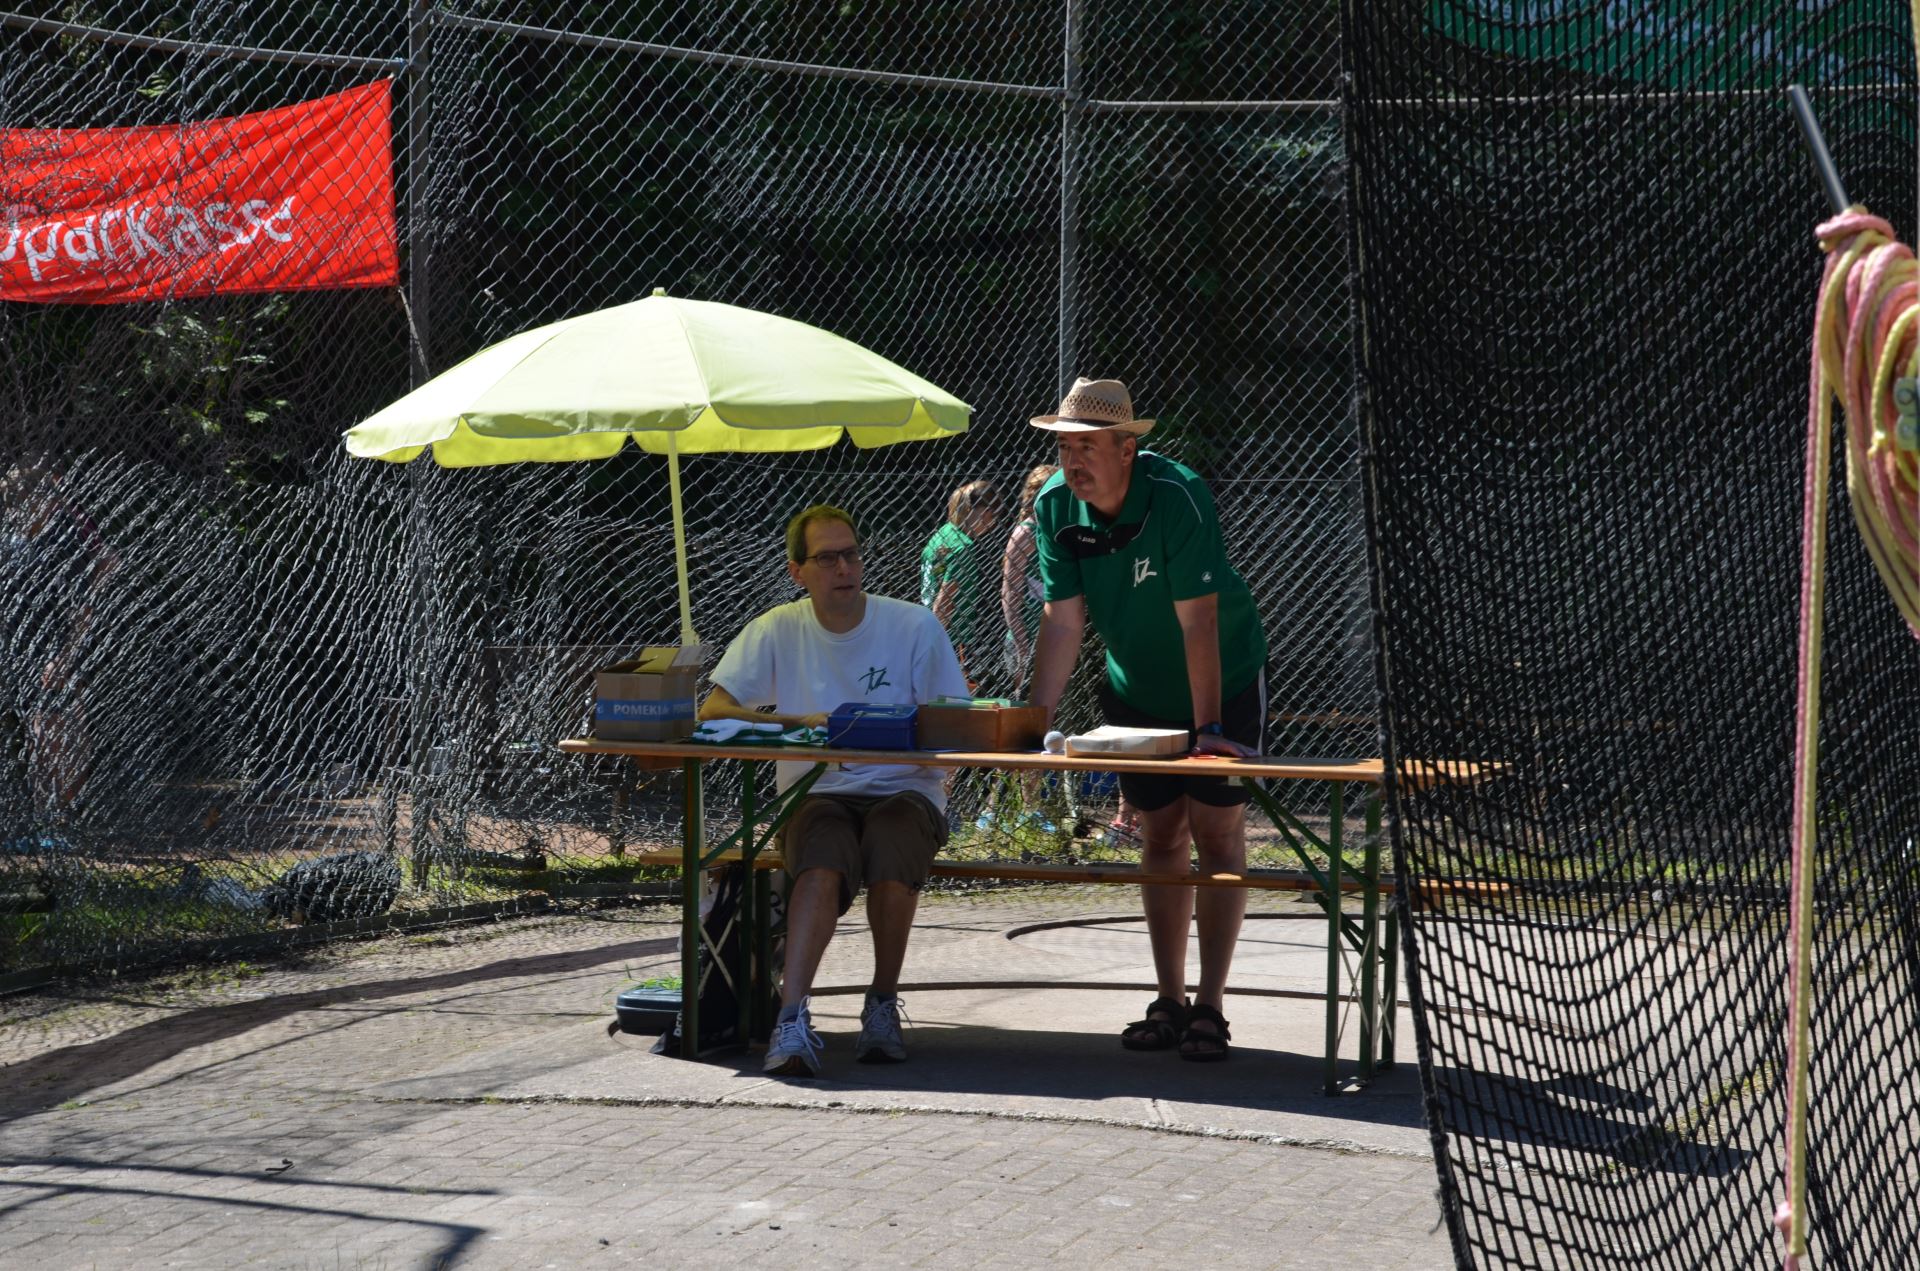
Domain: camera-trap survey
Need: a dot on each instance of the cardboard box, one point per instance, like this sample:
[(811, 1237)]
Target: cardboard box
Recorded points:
[(1112, 741), (980, 726), (650, 697)]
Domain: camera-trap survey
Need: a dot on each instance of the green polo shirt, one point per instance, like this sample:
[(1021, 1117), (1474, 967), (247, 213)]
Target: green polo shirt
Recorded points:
[(952, 557), (1164, 546)]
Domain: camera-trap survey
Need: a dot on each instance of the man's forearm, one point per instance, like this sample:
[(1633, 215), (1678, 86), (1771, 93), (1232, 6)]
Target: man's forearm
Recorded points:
[(1201, 634), (750, 715), (721, 705), (1055, 652)]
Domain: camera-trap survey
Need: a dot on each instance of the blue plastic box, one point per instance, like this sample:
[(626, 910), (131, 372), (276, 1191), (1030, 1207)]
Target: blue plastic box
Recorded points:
[(871, 726)]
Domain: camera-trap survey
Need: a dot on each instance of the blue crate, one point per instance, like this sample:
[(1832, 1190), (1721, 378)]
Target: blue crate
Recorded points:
[(871, 726)]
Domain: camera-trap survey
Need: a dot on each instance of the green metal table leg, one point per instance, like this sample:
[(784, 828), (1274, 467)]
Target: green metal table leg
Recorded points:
[(1390, 968), (1370, 940), (766, 996), (1390, 943), (1338, 813), (1298, 838), (745, 989), (692, 839)]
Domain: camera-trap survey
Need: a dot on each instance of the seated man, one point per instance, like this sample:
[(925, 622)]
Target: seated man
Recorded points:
[(877, 824)]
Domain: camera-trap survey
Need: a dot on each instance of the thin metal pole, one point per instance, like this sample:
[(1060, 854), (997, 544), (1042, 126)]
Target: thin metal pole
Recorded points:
[(741, 62), (688, 636), (1336, 816), (419, 137), (746, 981), (1071, 108), (161, 44), (420, 548), (1370, 941), (1388, 993), (1816, 143), (693, 838), (420, 603)]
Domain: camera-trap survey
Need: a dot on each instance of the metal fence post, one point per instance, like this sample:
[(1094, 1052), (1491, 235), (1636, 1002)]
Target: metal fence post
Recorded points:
[(420, 592), (419, 108), (1071, 110)]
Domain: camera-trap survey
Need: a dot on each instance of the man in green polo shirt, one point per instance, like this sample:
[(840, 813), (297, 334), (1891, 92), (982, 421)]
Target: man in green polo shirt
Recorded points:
[(1129, 540)]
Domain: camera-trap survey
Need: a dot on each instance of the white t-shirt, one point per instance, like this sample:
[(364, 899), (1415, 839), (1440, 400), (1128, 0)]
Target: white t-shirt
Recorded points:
[(898, 655)]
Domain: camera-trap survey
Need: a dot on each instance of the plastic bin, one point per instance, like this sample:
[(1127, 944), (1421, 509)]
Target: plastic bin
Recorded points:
[(647, 1010)]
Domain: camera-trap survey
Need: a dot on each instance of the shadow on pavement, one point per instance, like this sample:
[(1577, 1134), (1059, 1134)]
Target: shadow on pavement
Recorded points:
[(998, 1070), (455, 1238), (47, 1080)]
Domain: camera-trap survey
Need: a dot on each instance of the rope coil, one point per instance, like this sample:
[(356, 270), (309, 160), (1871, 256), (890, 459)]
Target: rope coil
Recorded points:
[(1865, 342)]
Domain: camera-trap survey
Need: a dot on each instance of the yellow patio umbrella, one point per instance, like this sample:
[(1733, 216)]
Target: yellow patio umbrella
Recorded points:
[(677, 377)]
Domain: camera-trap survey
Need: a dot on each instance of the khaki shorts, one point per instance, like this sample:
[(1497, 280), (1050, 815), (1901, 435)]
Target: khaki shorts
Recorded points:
[(892, 839)]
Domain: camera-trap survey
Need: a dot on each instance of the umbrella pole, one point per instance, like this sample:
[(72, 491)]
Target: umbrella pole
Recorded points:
[(687, 637)]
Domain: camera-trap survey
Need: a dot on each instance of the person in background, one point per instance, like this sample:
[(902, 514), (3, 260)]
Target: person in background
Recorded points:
[(1129, 541), (954, 577), (1020, 599), (877, 824)]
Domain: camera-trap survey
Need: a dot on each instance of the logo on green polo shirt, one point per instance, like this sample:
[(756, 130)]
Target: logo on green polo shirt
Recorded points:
[(1143, 569), (875, 676)]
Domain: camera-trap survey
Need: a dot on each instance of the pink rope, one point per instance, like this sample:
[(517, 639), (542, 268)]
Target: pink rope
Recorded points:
[(1812, 563), (1849, 357)]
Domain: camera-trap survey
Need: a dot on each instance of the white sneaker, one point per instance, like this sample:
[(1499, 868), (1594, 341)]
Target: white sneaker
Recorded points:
[(795, 1048), (880, 1041)]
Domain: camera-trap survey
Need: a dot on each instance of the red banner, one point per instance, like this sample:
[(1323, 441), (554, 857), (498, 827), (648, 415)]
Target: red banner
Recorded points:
[(294, 199)]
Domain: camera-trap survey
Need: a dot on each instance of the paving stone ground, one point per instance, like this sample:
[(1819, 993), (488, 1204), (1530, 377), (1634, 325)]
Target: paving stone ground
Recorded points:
[(255, 1116)]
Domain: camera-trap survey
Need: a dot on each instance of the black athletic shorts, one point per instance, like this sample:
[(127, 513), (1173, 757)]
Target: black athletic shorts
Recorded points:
[(1243, 717)]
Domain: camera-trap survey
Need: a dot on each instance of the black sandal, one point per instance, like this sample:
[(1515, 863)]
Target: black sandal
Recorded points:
[(1208, 1047), (1148, 1033)]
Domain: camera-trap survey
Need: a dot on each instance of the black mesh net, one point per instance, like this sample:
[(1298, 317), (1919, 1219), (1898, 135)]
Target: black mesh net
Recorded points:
[(1584, 237)]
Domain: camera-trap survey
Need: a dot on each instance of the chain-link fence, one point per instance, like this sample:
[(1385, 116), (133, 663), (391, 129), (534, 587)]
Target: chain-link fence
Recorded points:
[(246, 651), (1581, 235)]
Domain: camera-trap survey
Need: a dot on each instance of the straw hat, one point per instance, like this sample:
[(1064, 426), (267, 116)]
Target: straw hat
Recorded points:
[(1095, 406)]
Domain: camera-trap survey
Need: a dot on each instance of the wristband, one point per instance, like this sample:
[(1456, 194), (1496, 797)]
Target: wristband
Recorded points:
[(1215, 729)]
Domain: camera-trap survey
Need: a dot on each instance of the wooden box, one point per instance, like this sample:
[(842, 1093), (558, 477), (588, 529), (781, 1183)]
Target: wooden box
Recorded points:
[(964, 726)]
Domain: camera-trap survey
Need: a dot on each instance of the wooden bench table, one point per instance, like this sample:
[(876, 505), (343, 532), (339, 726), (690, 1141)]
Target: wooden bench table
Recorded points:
[(1373, 939)]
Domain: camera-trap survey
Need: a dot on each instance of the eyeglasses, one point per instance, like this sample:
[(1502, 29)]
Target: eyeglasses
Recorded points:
[(832, 560)]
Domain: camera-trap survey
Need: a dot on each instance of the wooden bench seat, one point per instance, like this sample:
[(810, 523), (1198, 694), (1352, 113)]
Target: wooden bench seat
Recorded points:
[(1128, 875)]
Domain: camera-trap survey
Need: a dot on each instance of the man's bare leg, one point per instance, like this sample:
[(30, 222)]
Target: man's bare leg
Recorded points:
[(890, 910), (1220, 840), (1166, 849), (813, 911)]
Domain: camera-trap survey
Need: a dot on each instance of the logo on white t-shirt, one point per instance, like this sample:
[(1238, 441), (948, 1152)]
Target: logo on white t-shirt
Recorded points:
[(1143, 569), (875, 677)]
